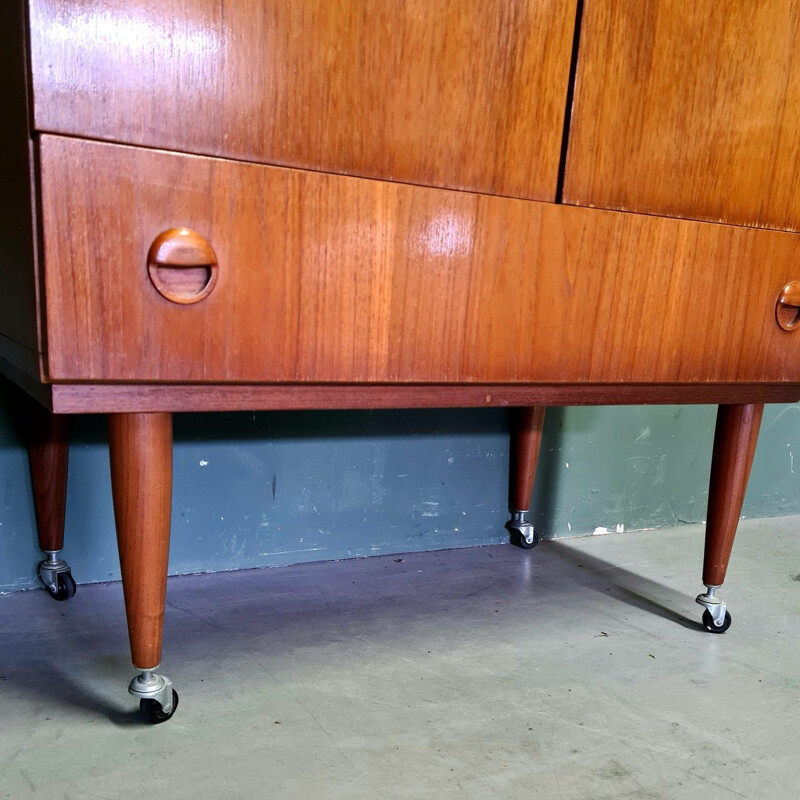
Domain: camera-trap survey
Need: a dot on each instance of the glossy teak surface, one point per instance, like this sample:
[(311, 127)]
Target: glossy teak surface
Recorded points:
[(326, 278), (436, 92), (690, 109)]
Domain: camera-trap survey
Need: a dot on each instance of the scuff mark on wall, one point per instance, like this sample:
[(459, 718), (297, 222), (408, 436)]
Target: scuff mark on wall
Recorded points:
[(427, 508), (785, 411)]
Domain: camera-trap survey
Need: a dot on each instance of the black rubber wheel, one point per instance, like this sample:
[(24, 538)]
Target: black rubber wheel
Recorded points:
[(708, 623), (519, 540), (66, 587), (153, 711)]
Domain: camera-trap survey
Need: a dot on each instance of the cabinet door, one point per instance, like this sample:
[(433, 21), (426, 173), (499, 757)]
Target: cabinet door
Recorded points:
[(466, 95), (689, 109)]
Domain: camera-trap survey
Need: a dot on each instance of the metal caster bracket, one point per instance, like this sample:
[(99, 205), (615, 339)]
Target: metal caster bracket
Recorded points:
[(50, 569), (519, 522), (149, 686), (715, 607)]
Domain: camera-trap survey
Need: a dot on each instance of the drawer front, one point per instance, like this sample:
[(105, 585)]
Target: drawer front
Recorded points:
[(448, 93), (689, 109), (322, 277)]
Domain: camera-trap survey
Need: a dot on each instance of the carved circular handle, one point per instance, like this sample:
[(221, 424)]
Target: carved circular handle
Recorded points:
[(787, 310), (182, 266)]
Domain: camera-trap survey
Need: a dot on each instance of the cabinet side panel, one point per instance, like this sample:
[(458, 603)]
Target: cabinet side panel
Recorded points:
[(18, 303), (465, 95), (689, 110)]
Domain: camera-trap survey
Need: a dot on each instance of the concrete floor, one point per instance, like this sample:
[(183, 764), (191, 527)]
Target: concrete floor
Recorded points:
[(575, 670)]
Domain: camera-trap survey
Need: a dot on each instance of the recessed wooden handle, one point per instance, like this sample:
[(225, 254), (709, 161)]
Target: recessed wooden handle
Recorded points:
[(182, 266), (787, 310)]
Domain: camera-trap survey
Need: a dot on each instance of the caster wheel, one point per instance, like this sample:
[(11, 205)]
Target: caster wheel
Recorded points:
[(66, 587), (153, 712), (708, 623), (519, 540)]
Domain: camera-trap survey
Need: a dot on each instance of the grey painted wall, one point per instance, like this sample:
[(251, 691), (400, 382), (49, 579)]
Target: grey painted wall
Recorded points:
[(279, 488)]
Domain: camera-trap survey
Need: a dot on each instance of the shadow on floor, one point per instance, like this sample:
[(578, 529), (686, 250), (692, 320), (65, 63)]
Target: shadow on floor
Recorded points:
[(257, 616)]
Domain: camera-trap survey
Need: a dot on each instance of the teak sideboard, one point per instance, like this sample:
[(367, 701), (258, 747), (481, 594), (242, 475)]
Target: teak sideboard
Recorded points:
[(305, 204)]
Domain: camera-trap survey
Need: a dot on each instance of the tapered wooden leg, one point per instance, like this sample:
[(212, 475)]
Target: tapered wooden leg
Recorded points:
[(141, 481), (48, 454), (526, 439), (734, 446)]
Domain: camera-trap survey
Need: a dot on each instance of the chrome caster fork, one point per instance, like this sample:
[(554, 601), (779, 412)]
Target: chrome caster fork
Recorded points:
[(716, 618), (157, 699), (522, 532), (56, 575)]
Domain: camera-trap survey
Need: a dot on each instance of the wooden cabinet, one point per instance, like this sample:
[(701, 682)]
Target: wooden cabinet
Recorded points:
[(316, 204)]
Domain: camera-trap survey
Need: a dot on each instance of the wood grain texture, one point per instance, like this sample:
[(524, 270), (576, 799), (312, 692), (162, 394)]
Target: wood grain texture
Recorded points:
[(438, 92), (108, 398), (18, 297), (140, 447), (47, 440), (526, 439), (689, 110), (326, 278), (734, 447)]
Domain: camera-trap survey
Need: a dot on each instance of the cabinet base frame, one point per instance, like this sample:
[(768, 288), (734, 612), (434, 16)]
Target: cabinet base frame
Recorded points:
[(109, 398)]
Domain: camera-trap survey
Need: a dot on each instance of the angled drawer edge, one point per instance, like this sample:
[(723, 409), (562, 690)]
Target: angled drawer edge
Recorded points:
[(322, 278)]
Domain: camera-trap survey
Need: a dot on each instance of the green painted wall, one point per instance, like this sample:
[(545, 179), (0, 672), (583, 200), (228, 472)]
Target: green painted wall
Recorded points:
[(279, 488)]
